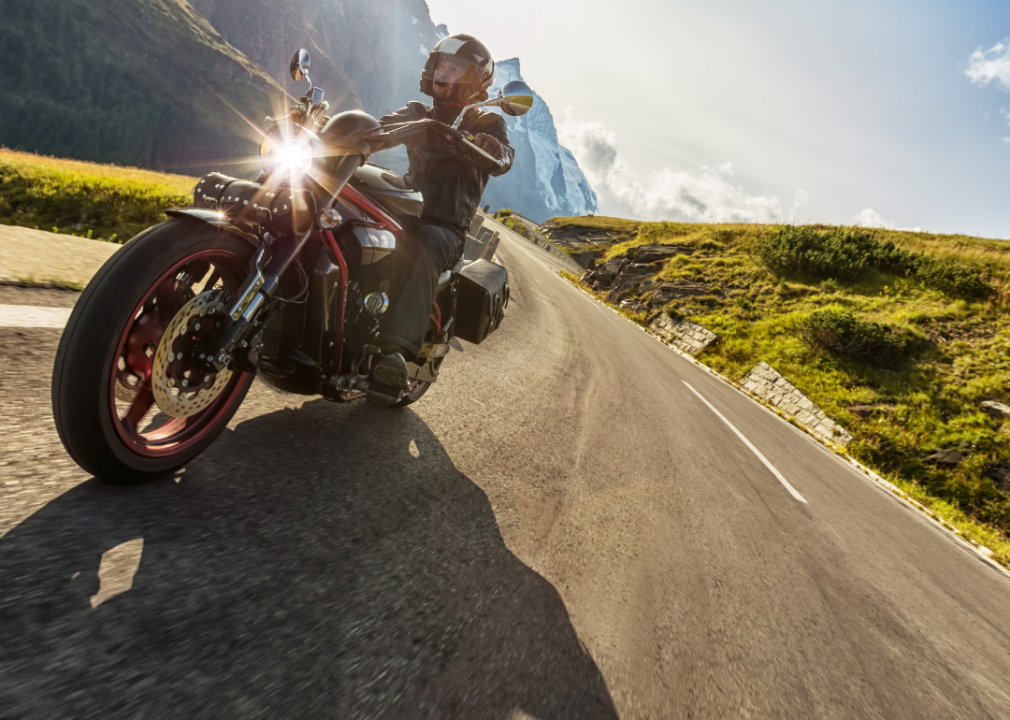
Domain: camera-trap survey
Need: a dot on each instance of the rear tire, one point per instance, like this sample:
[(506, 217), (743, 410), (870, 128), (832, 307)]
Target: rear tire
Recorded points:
[(412, 397), (103, 334)]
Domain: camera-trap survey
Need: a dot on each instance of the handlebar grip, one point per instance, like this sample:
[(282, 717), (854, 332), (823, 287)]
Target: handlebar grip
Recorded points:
[(498, 163)]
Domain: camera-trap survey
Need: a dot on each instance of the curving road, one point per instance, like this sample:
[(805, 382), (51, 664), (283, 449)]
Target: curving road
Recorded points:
[(567, 526)]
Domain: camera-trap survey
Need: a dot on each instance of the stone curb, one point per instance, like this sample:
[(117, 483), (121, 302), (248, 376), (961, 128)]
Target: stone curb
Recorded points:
[(685, 336), (767, 384)]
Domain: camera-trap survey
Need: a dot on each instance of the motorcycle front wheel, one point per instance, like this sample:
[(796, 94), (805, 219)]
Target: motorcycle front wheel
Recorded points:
[(127, 405)]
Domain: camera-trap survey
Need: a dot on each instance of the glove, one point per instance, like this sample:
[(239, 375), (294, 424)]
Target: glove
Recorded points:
[(489, 145)]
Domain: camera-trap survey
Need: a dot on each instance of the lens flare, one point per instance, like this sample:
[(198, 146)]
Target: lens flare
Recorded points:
[(293, 157)]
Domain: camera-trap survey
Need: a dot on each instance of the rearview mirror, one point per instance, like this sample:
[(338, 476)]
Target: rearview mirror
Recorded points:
[(515, 98), (300, 65)]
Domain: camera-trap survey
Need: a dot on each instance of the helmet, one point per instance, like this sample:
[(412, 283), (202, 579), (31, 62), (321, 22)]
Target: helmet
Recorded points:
[(474, 69)]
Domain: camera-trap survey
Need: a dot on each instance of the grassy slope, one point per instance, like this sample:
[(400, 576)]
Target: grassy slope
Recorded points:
[(929, 402), (109, 202)]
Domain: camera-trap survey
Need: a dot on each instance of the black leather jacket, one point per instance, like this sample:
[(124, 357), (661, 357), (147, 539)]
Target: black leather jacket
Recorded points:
[(451, 179)]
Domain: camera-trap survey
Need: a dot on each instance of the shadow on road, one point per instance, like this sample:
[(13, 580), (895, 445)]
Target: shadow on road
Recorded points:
[(326, 561)]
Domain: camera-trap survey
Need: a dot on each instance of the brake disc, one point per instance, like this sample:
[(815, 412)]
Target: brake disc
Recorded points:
[(183, 383)]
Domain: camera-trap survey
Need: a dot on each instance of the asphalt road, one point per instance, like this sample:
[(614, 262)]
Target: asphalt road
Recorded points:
[(561, 528)]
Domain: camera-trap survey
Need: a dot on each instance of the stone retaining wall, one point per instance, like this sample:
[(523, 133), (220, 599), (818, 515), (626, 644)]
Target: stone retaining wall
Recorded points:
[(766, 383), (683, 335)]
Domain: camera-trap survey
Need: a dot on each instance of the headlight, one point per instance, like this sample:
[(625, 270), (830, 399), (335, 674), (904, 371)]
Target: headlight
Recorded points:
[(293, 156), (287, 149)]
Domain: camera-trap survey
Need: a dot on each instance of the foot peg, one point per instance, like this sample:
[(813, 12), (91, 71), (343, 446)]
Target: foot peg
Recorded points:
[(344, 388), (391, 371)]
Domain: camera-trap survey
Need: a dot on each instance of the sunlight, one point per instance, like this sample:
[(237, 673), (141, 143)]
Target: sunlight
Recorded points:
[(116, 571)]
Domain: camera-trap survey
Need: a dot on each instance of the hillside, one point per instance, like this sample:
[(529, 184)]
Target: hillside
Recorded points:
[(184, 85), (146, 83), (900, 337)]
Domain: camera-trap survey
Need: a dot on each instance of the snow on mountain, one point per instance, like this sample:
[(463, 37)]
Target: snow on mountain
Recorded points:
[(561, 187)]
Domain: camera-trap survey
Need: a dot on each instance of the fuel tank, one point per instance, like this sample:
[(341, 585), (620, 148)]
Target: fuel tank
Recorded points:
[(388, 189)]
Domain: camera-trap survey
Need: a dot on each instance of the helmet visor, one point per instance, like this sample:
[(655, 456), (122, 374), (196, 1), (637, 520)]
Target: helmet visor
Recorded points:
[(452, 71)]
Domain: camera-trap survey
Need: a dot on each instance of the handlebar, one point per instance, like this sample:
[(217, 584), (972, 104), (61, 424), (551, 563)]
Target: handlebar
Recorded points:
[(395, 132)]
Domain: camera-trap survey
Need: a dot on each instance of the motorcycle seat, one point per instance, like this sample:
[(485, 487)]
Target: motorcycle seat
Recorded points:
[(443, 281), (445, 278)]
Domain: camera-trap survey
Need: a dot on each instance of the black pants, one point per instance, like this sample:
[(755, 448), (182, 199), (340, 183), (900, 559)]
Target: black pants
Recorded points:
[(429, 250)]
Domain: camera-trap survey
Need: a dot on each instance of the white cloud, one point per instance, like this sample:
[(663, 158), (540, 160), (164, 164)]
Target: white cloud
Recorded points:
[(871, 218), (800, 200), (707, 196), (993, 65)]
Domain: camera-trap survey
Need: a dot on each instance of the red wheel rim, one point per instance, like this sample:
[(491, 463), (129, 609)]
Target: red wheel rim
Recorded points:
[(142, 333)]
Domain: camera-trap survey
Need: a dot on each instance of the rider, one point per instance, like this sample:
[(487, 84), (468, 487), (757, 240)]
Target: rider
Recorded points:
[(458, 72)]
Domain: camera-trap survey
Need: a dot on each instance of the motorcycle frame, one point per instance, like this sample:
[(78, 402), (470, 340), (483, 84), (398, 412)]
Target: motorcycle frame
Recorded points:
[(370, 214)]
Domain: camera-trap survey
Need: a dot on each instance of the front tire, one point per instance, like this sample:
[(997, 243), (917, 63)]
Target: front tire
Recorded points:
[(103, 403)]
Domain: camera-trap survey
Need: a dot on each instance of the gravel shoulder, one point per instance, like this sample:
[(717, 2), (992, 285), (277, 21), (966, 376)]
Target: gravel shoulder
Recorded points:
[(47, 257)]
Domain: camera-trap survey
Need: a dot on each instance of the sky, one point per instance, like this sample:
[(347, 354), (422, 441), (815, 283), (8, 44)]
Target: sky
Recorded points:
[(889, 113)]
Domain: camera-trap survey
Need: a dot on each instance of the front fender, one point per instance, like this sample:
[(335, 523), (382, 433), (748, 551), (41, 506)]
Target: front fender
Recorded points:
[(218, 220)]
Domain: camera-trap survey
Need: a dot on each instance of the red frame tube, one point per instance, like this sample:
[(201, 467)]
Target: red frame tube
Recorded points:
[(338, 333), (384, 221)]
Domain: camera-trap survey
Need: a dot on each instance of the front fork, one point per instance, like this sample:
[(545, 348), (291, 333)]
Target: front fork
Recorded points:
[(264, 277)]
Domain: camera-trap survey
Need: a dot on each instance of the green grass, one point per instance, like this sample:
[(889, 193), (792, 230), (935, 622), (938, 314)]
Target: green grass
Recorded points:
[(104, 202), (624, 228), (504, 216), (946, 353)]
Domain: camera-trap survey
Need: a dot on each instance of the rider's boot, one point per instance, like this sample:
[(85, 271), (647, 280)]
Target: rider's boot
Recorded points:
[(391, 371)]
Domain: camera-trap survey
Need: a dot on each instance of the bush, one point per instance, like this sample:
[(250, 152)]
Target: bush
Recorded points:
[(848, 254), (841, 333)]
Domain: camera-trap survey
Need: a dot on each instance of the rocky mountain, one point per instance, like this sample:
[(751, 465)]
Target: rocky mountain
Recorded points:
[(546, 180), (175, 84)]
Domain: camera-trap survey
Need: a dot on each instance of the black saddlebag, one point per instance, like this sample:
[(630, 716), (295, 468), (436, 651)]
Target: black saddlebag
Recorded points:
[(483, 289)]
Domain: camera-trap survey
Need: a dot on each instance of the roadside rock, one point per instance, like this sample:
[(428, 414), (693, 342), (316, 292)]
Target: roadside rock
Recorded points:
[(578, 236), (999, 473), (587, 259), (614, 265), (656, 253), (633, 306), (995, 409), (639, 269), (865, 411), (667, 292), (945, 458)]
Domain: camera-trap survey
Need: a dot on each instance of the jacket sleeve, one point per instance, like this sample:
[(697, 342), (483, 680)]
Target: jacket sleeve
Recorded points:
[(412, 111), (407, 113), (494, 125)]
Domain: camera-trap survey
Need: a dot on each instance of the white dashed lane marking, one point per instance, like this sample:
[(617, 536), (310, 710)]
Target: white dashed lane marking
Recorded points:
[(28, 316), (748, 443)]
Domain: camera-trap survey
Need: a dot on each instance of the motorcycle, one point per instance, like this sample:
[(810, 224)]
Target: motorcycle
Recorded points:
[(284, 278)]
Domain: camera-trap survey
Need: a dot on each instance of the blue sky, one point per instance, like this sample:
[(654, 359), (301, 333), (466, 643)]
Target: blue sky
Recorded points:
[(776, 110)]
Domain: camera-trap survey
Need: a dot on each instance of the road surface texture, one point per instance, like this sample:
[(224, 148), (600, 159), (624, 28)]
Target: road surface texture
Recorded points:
[(566, 526)]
